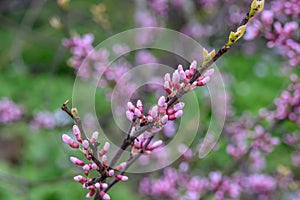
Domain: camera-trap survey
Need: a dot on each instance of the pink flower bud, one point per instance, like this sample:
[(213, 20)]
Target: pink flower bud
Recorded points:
[(171, 117), (130, 106), (176, 77), (111, 172), (129, 115), (167, 77), (104, 195), (90, 194), (178, 114), (121, 177), (91, 187), (203, 81), (206, 80), (74, 145), (77, 133), (94, 137), (167, 88), (104, 160), (104, 185), (94, 166), (164, 119), (170, 111), (182, 75), (161, 101), (86, 167), (67, 139), (209, 72), (85, 144), (76, 161), (80, 179), (154, 112), (137, 112), (187, 72), (193, 65), (178, 106), (121, 166), (139, 103), (155, 145), (163, 109), (180, 68), (104, 149), (149, 118), (97, 185), (166, 85)]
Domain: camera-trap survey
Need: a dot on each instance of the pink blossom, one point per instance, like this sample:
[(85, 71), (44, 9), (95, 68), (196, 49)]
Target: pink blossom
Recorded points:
[(9, 111), (43, 119)]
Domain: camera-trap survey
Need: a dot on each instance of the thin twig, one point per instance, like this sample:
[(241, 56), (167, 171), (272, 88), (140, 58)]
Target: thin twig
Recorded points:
[(130, 161)]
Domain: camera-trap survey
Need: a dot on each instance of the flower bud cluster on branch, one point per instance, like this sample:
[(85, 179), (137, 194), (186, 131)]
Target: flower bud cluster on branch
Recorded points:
[(144, 125)]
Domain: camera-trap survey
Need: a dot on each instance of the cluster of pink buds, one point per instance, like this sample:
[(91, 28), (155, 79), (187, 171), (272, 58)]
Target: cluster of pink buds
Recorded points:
[(158, 114), (161, 113), (95, 161), (140, 142), (180, 80)]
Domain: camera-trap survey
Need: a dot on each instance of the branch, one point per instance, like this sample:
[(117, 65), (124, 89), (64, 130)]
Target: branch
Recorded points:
[(130, 161)]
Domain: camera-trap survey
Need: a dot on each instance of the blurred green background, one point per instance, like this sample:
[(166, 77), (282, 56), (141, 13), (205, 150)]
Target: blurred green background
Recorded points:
[(34, 73)]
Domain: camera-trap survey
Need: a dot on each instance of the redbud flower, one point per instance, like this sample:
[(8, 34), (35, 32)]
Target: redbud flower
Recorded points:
[(104, 149), (155, 145), (104, 195), (90, 194), (121, 177), (129, 115), (80, 179), (77, 133), (86, 167), (121, 166), (104, 160), (68, 140), (94, 137), (76, 161), (111, 172), (85, 144), (161, 101)]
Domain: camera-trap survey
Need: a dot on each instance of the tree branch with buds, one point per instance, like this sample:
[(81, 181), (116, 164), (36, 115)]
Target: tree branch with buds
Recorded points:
[(143, 127)]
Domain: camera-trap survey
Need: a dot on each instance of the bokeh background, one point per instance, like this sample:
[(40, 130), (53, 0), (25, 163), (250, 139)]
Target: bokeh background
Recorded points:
[(36, 77)]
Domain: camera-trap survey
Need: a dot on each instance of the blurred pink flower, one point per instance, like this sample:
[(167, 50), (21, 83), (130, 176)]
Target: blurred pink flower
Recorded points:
[(9, 111)]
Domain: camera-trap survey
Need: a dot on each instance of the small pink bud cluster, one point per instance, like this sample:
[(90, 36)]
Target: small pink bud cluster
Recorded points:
[(161, 113), (158, 114), (93, 184), (140, 142), (181, 79)]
